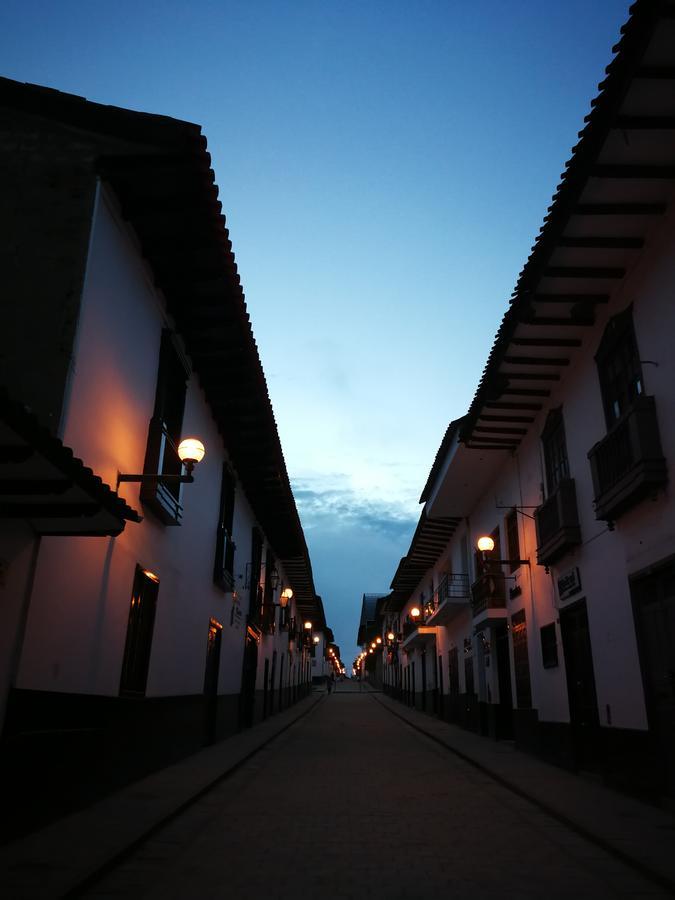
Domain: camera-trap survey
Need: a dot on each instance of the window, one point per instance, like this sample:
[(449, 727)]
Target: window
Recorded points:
[(268, 608), (139, 633), (619, 368), (521, 661), (549, 646), (555, 450), (223, 568), (254, 567), (512, 541), (164, 433)]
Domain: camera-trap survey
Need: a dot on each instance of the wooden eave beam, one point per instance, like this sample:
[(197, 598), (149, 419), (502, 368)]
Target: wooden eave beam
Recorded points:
[(664, 73), (545, 342), (484, 417), (645, 123), (483, 429), (525, 392), (33, 486), (629, 170), (537, 361), (490, 447), (619, 209), (558, 321), (602, 243), (498, 404), (531, 376), (569, 298), (584, 272), (48, 510)]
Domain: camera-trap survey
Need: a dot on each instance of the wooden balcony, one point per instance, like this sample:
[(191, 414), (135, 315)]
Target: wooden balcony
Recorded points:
[(488, 592), (557, 522), (453, 595), (628, 464)]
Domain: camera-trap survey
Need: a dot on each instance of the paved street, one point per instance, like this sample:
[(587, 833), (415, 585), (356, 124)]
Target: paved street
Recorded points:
[(340, 834)]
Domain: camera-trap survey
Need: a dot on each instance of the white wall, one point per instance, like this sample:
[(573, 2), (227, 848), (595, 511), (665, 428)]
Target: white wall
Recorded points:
[(80, 603)]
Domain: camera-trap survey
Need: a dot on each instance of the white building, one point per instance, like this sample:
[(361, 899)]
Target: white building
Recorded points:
[(563, 637), (140, 619)]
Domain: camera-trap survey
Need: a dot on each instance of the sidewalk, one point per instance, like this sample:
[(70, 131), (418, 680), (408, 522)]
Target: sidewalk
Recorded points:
[(640, 835), (57, 860)]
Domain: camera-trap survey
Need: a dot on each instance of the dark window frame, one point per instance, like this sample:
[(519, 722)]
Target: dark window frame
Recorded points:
[(619, 367), (223, 566), (554, 443), (164, 433)]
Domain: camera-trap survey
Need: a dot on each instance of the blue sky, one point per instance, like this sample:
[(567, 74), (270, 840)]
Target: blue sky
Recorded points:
[(384, 168)]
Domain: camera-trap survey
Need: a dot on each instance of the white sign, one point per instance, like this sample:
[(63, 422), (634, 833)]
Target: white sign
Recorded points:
[(569, 584)]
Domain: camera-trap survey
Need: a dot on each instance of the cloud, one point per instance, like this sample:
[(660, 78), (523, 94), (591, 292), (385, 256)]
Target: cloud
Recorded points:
[(336, 507)]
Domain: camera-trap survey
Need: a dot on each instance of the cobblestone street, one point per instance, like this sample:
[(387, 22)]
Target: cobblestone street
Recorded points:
[(340, 777)]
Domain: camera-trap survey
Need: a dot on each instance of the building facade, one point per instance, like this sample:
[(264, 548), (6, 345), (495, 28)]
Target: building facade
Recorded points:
[(560, 632), (149, 606)]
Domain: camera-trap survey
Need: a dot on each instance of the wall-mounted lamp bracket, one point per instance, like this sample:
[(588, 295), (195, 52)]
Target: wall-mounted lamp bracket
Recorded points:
[(151, 478)]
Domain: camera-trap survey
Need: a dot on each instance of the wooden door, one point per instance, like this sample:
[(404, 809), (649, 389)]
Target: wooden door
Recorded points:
[(581, 693)]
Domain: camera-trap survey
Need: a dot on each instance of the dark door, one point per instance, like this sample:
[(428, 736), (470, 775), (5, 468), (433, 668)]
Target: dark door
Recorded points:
[(654, 600), (266, 691), (424, 680), (505, 708), (249, 673), (211, 680), (581, 694), (439, 680)]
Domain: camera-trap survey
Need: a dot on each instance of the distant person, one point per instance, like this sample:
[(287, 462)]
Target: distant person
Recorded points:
[(330, 682)]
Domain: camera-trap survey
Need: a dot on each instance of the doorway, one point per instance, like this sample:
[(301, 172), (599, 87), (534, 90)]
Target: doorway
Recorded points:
[(505, 706), (654, 606), (248, 679), (583, 702), (211, 680)]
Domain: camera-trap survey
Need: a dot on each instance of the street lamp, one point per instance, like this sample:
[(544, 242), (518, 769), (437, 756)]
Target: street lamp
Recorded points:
[(190, 452), (415, 613)]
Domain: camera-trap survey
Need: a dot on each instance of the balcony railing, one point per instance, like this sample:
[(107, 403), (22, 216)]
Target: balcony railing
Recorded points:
[(488, 592), (454, 586), (557, 522), (628, 464), (161, 457), (452, 595)]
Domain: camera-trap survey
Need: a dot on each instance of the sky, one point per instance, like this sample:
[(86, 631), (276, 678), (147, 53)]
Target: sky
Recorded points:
[(384, 167)]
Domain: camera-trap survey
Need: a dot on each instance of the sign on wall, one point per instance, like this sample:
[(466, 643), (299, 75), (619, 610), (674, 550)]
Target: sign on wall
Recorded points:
[(569, 584), (236, 616)]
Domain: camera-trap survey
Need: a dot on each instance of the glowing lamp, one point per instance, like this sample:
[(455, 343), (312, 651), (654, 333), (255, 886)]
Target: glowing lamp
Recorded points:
[(316, 638), (191, 451), (286, 595), (378, 640), (308, 626), (485, 544), (391, 636), (415, 612)]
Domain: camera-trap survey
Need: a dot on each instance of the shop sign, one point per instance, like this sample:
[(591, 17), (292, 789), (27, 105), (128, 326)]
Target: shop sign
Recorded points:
[(569, 583)]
